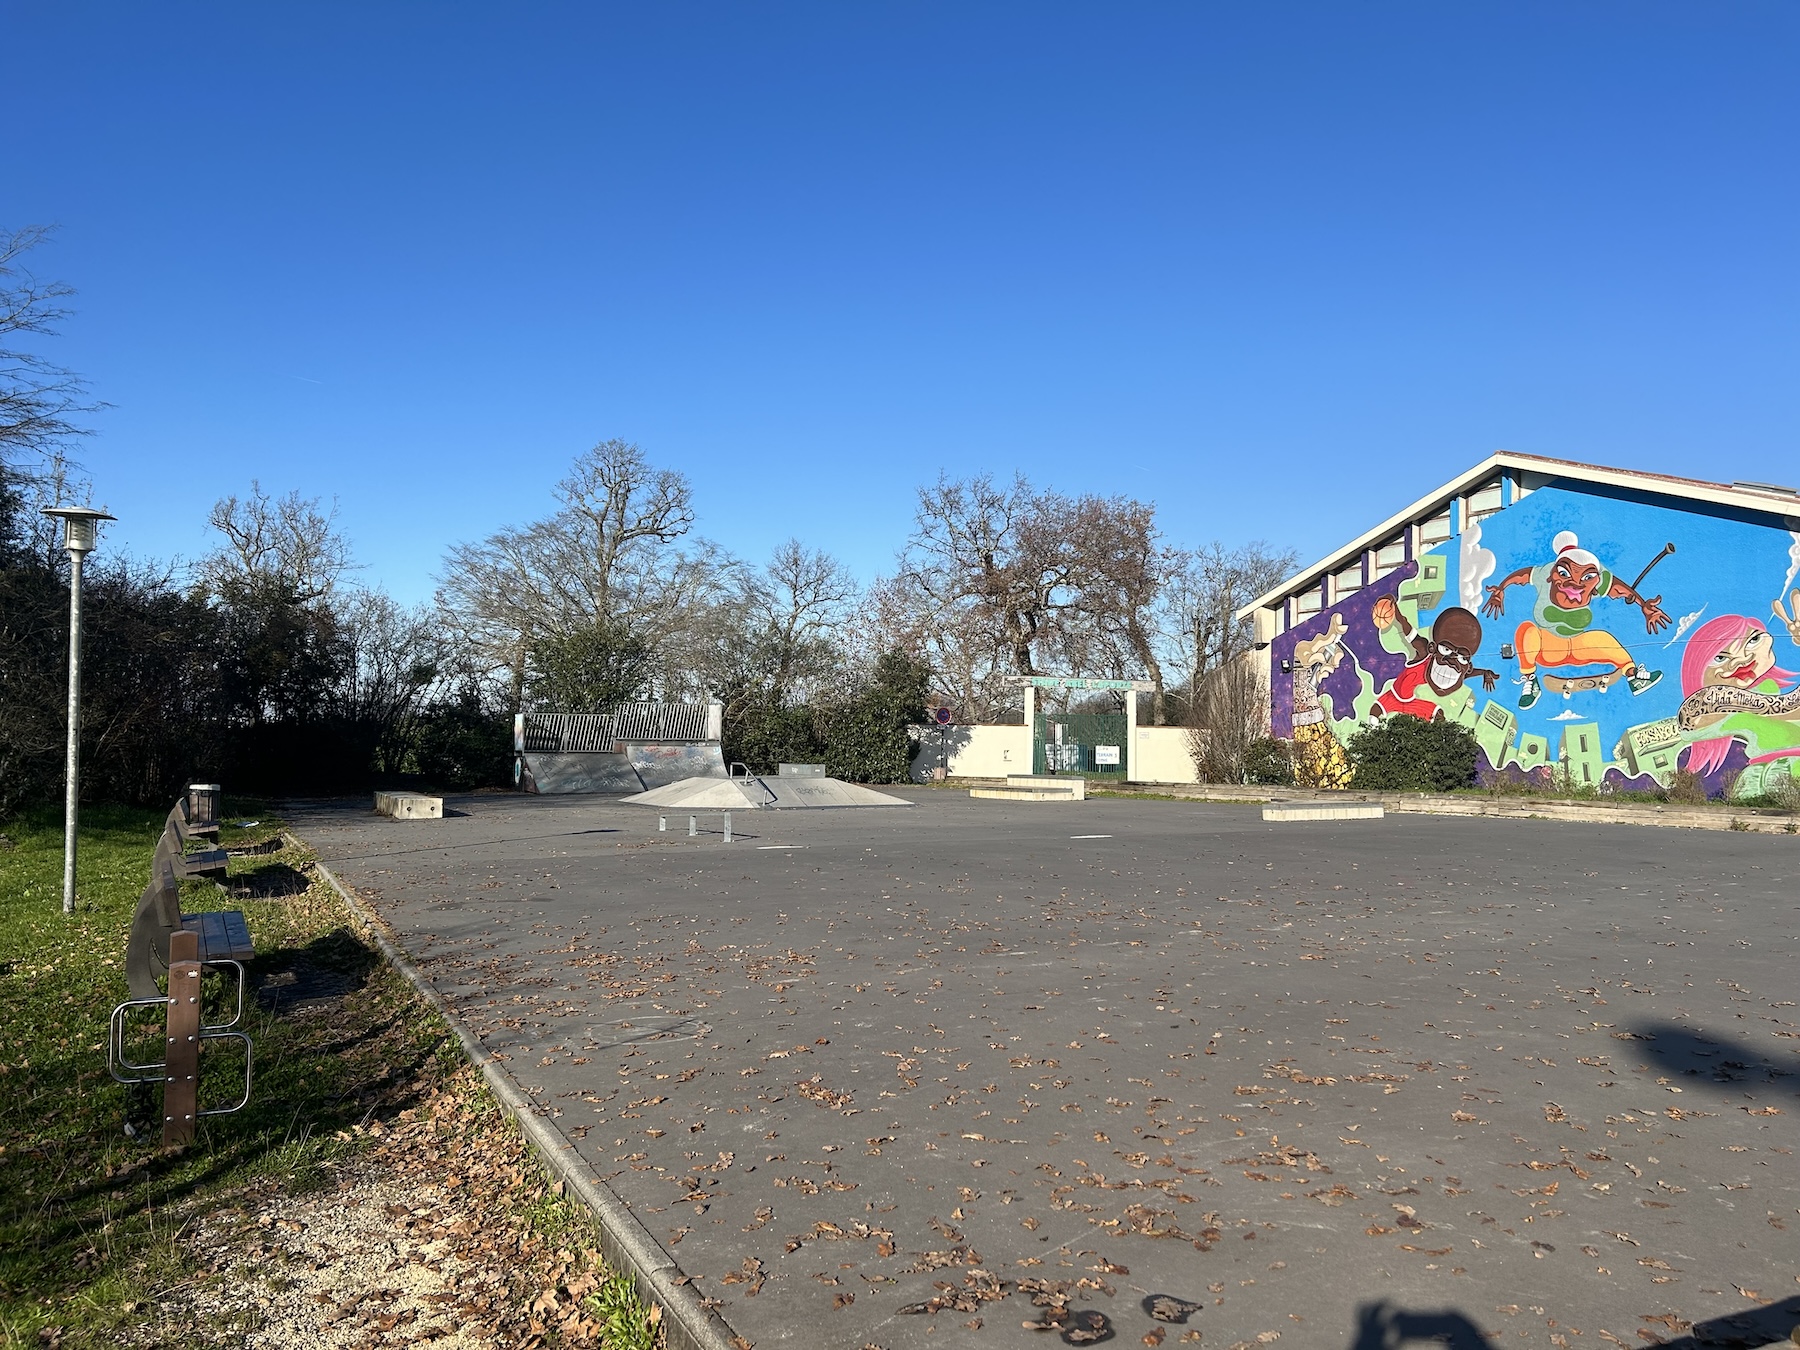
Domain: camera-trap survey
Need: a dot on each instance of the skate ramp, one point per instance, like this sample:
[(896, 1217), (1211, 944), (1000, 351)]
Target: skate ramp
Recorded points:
[(778, 794), (555, 774), (658, 765)]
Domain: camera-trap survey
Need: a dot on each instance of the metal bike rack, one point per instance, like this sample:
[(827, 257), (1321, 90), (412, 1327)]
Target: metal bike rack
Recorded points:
[(124, 1070)]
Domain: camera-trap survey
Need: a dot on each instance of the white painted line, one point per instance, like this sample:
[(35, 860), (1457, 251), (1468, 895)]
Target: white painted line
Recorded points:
[(1090, 836), (763, 847)]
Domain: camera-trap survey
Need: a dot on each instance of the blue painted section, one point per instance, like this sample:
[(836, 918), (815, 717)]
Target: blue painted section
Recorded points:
[(1588, 682)]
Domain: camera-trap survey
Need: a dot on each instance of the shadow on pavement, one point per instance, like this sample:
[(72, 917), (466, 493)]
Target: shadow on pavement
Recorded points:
[(1676, 1048), (1381, 1326), (1772, 1325)]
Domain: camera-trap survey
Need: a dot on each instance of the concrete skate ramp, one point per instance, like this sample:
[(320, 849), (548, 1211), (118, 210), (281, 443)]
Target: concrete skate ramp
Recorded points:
[(779, 794), (554, 774), (658, 765)]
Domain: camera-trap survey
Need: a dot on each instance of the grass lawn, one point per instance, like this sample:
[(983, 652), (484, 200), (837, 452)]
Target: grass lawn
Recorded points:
[(98, 1225)]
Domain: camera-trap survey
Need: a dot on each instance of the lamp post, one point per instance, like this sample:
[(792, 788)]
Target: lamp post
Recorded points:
[(80, 527)]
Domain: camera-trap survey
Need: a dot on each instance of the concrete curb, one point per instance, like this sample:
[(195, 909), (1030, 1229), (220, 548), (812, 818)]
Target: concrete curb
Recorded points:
[(688, 1324), (1748, 819)]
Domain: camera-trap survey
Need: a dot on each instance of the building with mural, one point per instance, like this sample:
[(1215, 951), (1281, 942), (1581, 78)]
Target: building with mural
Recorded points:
[(1593, 626)]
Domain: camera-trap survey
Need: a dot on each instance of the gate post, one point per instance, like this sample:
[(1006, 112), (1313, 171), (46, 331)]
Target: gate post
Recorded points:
[(181, 1051), (1131, 725)]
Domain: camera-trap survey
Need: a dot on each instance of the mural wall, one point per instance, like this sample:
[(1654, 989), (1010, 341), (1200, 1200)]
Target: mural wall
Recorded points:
[(1609, 638)]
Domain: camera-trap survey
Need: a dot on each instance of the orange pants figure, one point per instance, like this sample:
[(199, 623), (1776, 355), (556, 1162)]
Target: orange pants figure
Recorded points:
[(1540, 647)]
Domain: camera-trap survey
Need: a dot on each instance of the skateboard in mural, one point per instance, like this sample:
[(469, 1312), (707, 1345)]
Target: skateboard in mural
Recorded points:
[(1567, 685), (1561, 630)]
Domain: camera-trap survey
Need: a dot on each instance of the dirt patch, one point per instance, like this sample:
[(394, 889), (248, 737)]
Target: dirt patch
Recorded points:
[(432, 1232)]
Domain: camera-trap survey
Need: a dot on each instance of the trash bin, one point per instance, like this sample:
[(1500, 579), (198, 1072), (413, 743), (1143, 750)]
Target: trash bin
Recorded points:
[(203, 803)]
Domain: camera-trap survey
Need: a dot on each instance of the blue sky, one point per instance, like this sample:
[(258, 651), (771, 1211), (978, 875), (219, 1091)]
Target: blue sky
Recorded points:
[(1279, 268)]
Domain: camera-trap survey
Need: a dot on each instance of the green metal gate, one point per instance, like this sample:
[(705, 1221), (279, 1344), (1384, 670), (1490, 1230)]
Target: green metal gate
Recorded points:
[(1093, 745)]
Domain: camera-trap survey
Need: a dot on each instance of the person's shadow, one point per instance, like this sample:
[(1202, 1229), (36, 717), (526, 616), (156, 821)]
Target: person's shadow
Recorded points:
[(1381, 1326)]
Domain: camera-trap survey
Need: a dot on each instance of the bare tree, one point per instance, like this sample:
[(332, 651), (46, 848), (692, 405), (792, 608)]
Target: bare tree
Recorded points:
[(286, 540), (1229, 711), (606, 554), (1003, 556), (615, 501), (1207, 586), (38, 400), (796, 605), (1123, 569)]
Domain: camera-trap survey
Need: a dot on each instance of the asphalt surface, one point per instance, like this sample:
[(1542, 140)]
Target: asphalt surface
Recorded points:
[(1341, 1084)]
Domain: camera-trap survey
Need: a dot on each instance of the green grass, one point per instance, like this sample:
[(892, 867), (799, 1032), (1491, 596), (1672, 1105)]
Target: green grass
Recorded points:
[(90, 1218)]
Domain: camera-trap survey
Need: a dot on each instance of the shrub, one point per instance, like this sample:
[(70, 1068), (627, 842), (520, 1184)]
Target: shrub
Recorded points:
[(1408, 754), (866, 738), (1269, 761), (1686, 788), (765, 734)]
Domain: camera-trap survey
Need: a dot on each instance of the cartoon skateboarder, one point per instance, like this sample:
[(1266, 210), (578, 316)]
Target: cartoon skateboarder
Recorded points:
[(1440, 664), (1560, 633)]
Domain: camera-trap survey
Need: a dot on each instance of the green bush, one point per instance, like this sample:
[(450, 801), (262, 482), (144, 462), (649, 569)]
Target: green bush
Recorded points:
[(1269, 761), (764, 735), (866, 738), (1407, 754)]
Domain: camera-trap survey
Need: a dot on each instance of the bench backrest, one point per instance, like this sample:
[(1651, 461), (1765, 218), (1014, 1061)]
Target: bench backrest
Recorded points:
[(158, 916)]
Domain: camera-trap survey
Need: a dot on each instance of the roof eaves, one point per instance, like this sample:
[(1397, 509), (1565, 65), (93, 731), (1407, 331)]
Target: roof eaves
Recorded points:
[(1771, 501)]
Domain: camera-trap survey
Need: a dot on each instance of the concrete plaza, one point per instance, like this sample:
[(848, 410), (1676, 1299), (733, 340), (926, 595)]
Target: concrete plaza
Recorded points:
[(914, 1077)]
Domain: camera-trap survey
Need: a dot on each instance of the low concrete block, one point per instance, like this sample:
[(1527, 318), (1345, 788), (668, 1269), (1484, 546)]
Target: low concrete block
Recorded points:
[(409, 806), (1358, 811), (1025, 787), (1053, 782)]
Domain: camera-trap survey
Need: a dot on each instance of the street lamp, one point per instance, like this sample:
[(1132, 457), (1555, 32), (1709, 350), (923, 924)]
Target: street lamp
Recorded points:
[(80, 526)]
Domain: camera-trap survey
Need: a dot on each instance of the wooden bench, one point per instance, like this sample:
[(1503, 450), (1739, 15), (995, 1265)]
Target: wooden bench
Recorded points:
[(199, 829), (222, 936), (177, 835)]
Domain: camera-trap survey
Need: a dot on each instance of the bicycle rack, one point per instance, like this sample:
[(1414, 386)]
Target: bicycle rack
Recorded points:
[(133, 1072)]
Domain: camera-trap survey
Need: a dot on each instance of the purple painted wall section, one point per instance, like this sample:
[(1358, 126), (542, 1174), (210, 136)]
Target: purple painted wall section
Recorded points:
[(1342, 685)]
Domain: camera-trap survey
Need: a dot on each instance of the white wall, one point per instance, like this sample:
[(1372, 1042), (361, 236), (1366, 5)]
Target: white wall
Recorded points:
[(1162, 756), (976, 752), (993, 752)]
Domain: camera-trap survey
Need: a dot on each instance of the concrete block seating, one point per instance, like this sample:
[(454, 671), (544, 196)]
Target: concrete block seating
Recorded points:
[(1349, 811), (1042, 787), (409, 806)]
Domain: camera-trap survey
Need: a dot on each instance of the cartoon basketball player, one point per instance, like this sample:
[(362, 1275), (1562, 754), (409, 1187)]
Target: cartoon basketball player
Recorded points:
[(1440, 664), (1560, 633), (1319, 758)]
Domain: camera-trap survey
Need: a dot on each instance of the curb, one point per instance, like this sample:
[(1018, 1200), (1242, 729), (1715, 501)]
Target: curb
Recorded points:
[(688, 1324), (1748, 820)]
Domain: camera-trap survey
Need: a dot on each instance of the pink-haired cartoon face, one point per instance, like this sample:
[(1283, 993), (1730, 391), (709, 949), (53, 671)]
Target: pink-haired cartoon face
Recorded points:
[(1742, 663)]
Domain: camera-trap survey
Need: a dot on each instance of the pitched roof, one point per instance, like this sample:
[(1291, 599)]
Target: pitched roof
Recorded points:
[(1765, 497)]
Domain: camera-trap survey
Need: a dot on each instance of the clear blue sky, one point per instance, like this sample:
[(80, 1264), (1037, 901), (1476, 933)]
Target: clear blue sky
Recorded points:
[(1277, 267)]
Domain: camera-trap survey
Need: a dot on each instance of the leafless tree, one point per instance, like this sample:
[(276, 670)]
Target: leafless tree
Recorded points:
[(795, 608), (614, 503), (38, 400), (1206, 588), (1123, 568), (287, 540), (1229, 712), (1000, 556), (607, 553)]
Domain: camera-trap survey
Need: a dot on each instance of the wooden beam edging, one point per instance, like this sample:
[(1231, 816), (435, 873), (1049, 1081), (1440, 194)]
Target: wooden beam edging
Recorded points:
[(688, 1324)]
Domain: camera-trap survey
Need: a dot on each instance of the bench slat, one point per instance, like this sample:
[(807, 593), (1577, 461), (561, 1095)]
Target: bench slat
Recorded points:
[(224, 936), (237, 932)]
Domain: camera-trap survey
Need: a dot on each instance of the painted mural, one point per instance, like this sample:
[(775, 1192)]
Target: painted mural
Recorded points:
[(1596, 637)]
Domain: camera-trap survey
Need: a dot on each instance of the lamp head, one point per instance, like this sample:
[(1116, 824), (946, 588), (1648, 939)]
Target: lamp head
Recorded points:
[(80, 526)]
